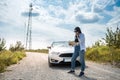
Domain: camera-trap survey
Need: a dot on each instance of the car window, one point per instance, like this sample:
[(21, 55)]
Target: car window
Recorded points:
[(60, 44)]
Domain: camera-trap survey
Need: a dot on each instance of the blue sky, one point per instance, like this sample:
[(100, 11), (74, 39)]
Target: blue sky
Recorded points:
[(55, 20)]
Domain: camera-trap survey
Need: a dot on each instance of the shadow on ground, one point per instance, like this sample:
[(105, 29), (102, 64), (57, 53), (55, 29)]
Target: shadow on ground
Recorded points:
[(66, 67)]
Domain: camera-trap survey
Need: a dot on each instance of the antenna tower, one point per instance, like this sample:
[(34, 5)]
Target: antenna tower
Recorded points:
[(29, 29)]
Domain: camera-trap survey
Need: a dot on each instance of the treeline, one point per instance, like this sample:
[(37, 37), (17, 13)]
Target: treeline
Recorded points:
[(108, 50), (12, 56), (38, 50)]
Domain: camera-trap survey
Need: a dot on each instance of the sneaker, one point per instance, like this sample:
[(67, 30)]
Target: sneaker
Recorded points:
[(81, 74), (71, 71)]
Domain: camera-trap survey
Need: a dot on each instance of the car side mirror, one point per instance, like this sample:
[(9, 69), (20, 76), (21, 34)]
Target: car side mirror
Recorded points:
[(49, 47)]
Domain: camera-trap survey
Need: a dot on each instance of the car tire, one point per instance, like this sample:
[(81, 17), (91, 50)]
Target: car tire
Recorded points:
[(50, 64)]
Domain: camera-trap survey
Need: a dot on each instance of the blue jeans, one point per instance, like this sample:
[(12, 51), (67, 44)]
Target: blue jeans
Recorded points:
[(81, 53), (82, 59), (74, 56)]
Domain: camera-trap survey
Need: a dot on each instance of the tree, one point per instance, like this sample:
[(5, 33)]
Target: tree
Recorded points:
[(18, 47), (2, 44), (113, 41), (117, 38), (113, 38)]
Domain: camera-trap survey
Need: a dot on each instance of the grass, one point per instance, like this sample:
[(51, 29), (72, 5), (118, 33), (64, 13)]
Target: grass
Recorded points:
[(104, 54), (7, 58), (38, 50)]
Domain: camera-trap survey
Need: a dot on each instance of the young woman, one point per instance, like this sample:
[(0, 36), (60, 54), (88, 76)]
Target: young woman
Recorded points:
[(79, 50)]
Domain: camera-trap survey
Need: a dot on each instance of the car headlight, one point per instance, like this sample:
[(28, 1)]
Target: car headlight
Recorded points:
[(55, 53)]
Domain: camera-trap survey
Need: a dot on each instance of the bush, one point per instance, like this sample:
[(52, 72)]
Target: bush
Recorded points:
[(18, 47), (2, 44), (38, 50), (4, 57), (93, 54), (116, 55), (108, 52), (104, 54), (113, 37), (7, 58), (2, 66)]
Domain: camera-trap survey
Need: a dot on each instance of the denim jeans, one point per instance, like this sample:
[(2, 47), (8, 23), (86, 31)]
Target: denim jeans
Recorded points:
[(74, 56), (82, 59), (81, 54)]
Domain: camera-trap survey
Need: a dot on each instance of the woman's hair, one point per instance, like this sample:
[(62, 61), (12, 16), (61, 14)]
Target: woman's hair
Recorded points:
[(77, 29)]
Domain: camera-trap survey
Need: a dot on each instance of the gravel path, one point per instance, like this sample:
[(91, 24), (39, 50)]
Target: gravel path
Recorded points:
[(35, 67)]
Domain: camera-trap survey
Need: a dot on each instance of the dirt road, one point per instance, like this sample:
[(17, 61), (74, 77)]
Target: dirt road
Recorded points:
[(35, 67)]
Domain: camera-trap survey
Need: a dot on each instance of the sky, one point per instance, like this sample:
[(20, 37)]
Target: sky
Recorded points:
[(55, 20)]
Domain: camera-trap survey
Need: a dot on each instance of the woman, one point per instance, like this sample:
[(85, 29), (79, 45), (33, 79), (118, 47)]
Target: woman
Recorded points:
[(79, 50)]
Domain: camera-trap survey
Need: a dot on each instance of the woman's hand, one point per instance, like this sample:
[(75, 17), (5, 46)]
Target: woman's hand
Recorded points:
[(72, 43)]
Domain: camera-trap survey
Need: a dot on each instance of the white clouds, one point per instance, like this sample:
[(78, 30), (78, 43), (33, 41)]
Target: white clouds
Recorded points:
[(51, 31), (44, 33), (114, 21), (97, 8), (46, 17), (99, 5), (83, 12), (93, 33), (56, 11), (115, 16), (87, 17), (53, 18), (11, 13), (13, 24), (103, 3), (91, 11)]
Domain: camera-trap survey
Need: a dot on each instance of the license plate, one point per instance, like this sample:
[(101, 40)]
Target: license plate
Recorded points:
[(67, 59)]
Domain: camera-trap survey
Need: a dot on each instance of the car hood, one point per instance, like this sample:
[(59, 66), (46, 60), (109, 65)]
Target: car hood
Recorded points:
[(62, 49)]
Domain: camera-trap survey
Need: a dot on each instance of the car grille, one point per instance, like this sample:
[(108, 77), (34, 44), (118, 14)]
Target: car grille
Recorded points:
[(66, 55)]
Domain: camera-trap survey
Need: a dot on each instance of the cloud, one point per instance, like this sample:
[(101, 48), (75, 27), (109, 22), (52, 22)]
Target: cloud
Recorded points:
[(85, 11), (93, 32), (56, 11), (12, 12), (114, 21), (55, 20), (2, 23), (11, 22), (51, 31), (97, 8), (115, 16), (87, 18), (43, 33)]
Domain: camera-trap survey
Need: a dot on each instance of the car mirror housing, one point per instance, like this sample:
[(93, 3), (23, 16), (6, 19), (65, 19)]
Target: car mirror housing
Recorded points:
[(49, 47)]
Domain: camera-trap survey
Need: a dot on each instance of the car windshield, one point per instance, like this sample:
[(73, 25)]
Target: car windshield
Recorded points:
[(60, 44)]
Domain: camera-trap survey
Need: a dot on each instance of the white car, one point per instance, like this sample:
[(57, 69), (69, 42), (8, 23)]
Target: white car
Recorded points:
[(60, 52)]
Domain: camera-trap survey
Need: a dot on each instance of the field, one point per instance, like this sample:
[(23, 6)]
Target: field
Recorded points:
[(8, 58), (104, 54)]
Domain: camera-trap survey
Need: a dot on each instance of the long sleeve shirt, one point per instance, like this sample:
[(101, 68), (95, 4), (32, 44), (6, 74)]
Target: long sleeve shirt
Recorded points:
[(81, 39)]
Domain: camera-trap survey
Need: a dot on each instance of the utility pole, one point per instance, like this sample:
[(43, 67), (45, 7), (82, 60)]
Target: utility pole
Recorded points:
[(29, 29)]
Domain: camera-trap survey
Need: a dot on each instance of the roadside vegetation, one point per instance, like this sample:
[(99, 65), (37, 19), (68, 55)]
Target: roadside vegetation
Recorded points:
[(11, 56), (108, 50), (39, 50)]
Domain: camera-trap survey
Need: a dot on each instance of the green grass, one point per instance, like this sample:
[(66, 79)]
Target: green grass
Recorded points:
[(104, 54), (38, 50), (7, 58)]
